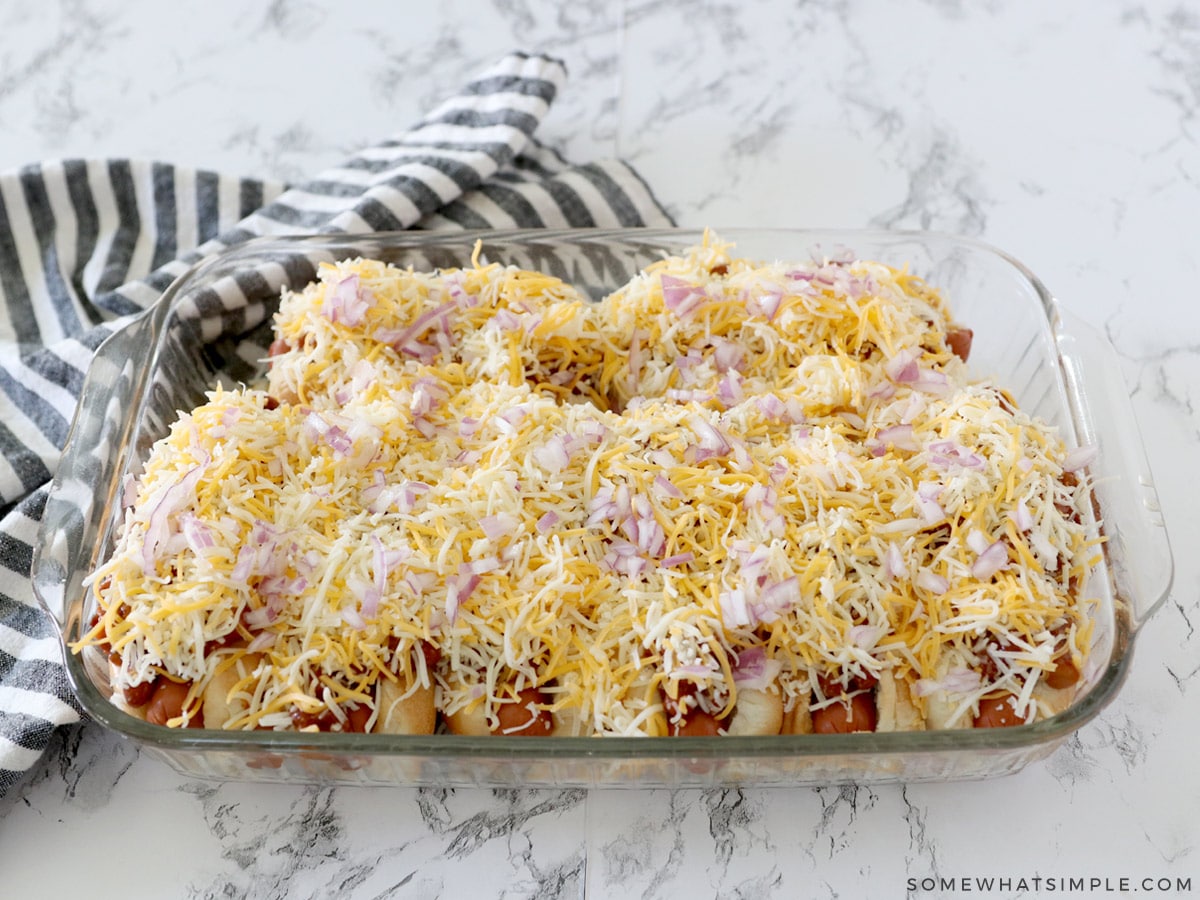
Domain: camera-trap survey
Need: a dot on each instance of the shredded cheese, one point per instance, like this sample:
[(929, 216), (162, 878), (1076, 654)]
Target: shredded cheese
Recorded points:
[(605, 501)]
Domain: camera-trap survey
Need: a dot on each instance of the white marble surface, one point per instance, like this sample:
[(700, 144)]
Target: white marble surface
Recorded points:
[(1065, 133)]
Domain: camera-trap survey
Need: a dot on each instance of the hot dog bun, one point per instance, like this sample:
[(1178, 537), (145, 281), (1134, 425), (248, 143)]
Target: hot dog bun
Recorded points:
[(405, 710), (756, 712), (894, 701)]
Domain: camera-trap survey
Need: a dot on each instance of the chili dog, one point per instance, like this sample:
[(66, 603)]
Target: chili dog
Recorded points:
[(731, 499)]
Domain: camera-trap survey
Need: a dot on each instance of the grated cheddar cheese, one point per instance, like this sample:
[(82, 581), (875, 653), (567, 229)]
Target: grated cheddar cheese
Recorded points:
[(726, 476)]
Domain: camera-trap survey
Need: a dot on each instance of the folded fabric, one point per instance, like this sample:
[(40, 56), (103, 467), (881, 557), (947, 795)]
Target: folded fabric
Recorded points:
[(85, 245)]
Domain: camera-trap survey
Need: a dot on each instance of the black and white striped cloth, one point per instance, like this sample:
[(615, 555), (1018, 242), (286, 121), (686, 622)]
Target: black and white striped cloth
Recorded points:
[(87, 244)]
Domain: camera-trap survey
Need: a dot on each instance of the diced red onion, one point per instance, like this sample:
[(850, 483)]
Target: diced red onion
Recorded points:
[(1080, 457), (625, 562), (770, 406), (352, 618), (933, 382), (990, 561), (765, 303), (710, 437), (259, 555), (977, 540), (483, 565), (382, 565), (1021, 516), (408, 496), (552, 455), (727, 355), (636, 358), (497, 526), (261, 641), (678, 559), (900, 436), (173, 499), (547, 521), (781, 596), (504, 320), (128, 491), (256, 619), (902, 368), (420, 583), (593, 431), (794, 413), (198, 535), (458, 591), (680, 297), (734, 610), (948, 454), (686, 363), (865, 636), (754, 670), (931, 581), (345, 302), (666, 487), (513, 415), (755, 495), (729, 390), (436, 316), (884, 390), (893, 562), (928, 495)]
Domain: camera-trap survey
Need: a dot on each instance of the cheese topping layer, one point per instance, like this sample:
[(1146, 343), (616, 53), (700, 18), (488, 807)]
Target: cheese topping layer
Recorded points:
[(727, 474)]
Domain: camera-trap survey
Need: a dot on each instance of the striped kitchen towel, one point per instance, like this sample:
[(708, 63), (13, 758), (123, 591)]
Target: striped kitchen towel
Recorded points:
[(85, 245)]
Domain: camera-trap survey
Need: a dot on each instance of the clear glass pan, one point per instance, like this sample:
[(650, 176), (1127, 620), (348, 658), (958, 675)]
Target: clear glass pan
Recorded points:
[(208, 327)]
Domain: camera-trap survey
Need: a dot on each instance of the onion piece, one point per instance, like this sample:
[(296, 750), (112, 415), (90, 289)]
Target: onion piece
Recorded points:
[(345, 302), (927, 502), (754, 670), (933, 382), (902, 437), (770, 406), (734, 610), (1021, 516), (351, 617), (990, 561), (727, 355), (497, 526), (172, 500), (553, 455), (261, 641), (197, 534), (666, 488), (893, 562), (1080, 457), (679, 297), (977, 541), (949, 455), (902, 368), (459, 590), (865, 636), (931, 581)]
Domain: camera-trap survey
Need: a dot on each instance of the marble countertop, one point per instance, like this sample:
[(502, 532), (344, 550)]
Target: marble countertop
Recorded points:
[(1064, 133)]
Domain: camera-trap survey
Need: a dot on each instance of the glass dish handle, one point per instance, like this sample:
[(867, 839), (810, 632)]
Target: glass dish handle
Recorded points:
[(1138, 549), (88, 480)]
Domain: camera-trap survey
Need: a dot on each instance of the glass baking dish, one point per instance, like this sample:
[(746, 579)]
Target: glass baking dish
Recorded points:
[(213, 325)]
